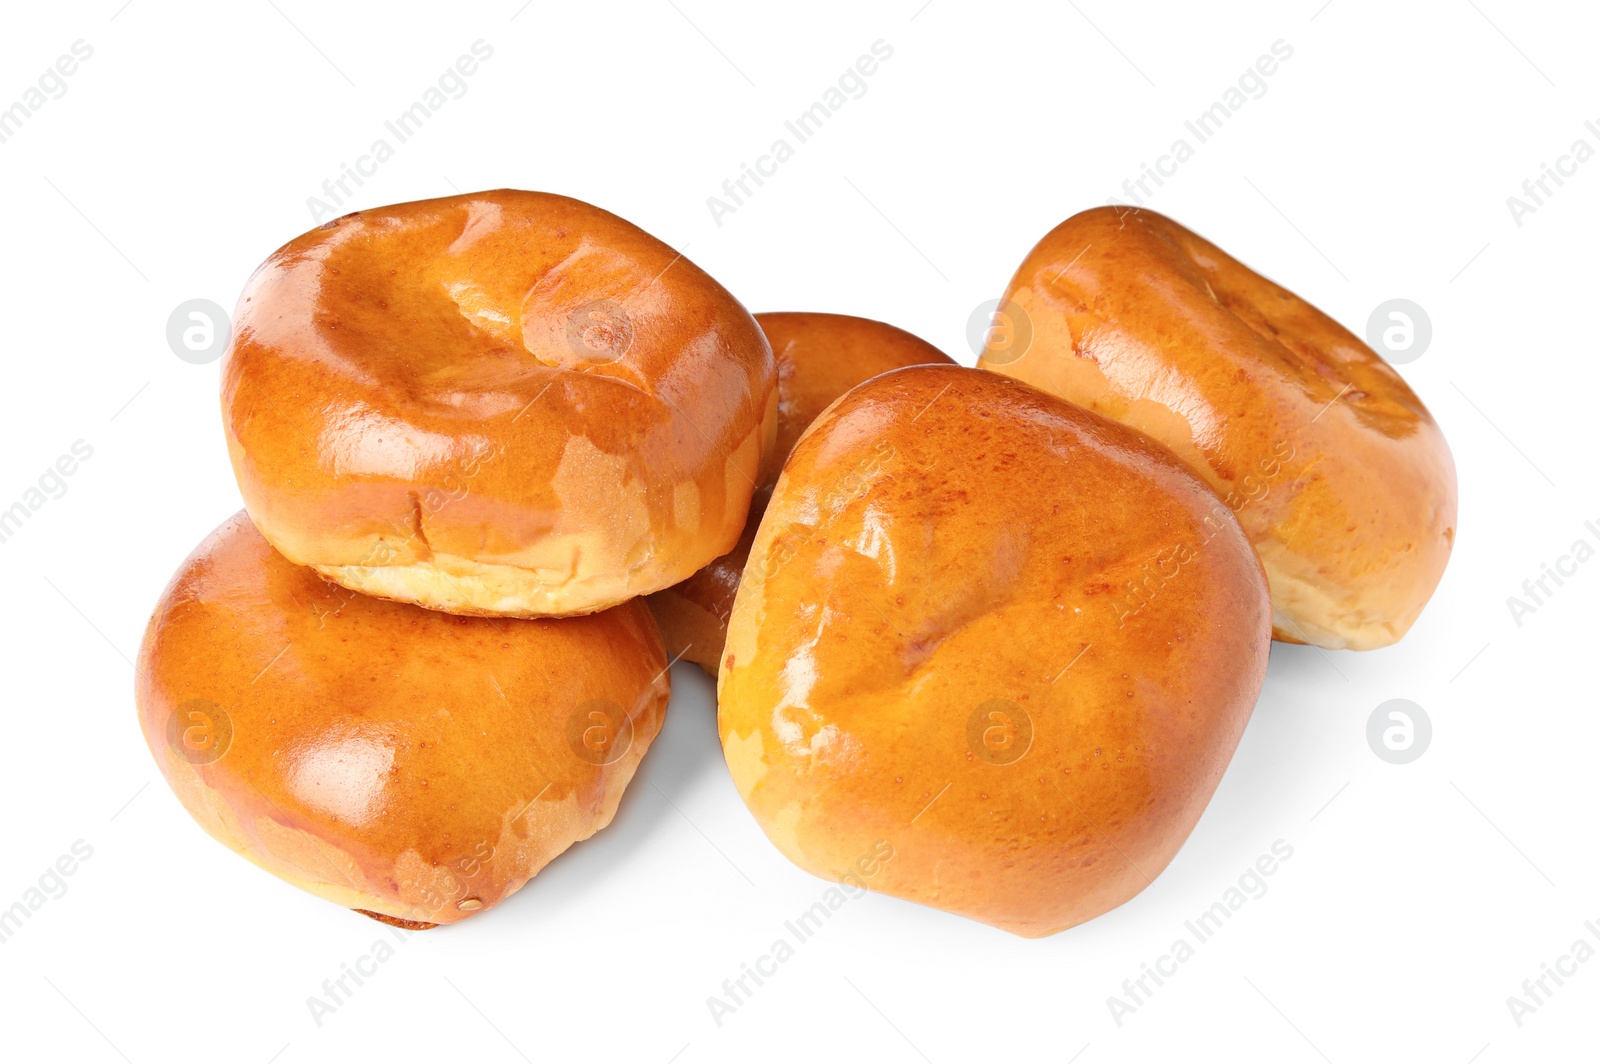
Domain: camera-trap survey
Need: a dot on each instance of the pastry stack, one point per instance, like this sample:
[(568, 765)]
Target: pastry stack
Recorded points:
[(505, 457)]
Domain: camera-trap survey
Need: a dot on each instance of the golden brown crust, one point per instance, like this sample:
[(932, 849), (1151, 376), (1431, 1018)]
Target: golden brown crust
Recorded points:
[(1006, 642), (412, 764), (693, 615), (505, 403), (819, 358), (1334, 467)]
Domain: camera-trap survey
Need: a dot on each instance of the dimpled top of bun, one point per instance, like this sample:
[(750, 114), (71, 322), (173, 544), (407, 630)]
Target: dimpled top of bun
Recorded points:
[(1334, 467), (503, 403), (991, 652)]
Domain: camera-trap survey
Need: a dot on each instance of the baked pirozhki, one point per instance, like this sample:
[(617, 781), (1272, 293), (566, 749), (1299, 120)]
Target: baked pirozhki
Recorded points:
[(412, 765), (505, 403), (819, 357), (1004, 641), (1332, 464)]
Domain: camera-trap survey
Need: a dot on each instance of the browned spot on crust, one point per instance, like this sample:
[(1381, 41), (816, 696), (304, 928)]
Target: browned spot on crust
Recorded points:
[(395, 921)]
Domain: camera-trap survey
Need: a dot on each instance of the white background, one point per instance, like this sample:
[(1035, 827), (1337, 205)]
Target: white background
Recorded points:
[(1377, 165)]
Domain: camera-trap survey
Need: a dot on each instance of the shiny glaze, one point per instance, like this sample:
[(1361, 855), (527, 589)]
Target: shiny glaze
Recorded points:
[(942, 538), (819, 358), (422, 382), (822, 356), (693, 615), (1333, 465), (393, 759)]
